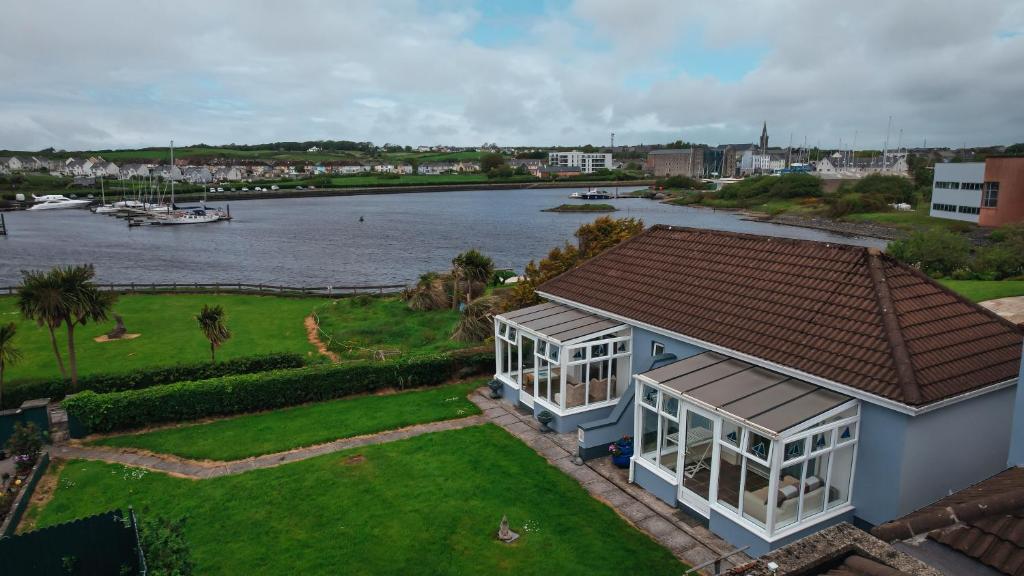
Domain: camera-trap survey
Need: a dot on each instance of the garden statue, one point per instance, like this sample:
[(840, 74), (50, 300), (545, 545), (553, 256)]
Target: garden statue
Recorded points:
[(504, 534), (119, 330)]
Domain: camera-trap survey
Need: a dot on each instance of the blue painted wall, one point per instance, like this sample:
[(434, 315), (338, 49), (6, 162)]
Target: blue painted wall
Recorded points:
[(599, 433), (642, 348), (739, 536), (1017, 438), (570, 423), (665, 491), (876, 481)]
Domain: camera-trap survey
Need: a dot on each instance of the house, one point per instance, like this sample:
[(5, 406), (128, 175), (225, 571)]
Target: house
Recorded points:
[(10, 164), (167, 172), (227, 174), (989, 193), (352, 169), (774, 387), (104, 169), (435, 168), (587, 162), (197, 175), (129, 171), (78, 168)]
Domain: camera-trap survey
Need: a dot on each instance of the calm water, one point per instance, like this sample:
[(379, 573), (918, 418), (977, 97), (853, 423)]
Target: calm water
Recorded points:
[(320, 241)]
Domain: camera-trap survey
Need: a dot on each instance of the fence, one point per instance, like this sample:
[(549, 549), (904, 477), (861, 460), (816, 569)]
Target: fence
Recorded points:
[(102, 544), (240, 287), (21, 502)]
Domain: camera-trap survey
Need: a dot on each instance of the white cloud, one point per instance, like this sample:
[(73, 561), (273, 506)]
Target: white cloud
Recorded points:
[(113, 74)]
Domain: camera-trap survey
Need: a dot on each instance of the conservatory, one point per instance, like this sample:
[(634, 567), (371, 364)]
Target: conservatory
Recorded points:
[(769, 453), (562, 359)]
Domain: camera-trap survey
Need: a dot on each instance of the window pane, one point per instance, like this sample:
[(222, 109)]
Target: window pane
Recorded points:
[(598, 350), (670, 406), (814, 485), (758, 445), (622, 347), (649, 436), (842, 472), (502, 357), (502, 327), (615, 371), (598, 378), (847, 433), (755, 492), (553, 353), (795, 449), (578, 353), (542, 347), (543, 369), (575, 385), (698, 447), (729, 479), (731, 433), (513, 361), (555, 383), (650, 396), (511, 333), (669, 444), (821, 441), (787, 497)]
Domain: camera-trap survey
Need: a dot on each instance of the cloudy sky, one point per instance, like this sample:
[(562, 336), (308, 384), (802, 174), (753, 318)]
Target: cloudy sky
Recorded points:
[(137, 73)]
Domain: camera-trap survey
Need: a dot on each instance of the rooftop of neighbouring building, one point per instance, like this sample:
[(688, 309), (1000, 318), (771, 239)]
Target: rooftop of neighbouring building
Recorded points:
[(846, 314)]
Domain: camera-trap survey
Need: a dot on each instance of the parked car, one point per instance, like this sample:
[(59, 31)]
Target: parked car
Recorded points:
[(312, 187), (274, 187), (220, 189), (298, 188), (245, 189), (213, 189)]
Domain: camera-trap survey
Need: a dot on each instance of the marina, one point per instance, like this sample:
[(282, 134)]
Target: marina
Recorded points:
[(317, 241)]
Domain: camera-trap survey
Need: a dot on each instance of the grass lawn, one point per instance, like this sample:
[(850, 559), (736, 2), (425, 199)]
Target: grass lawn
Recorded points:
[(981, 290), (169, 333), (280, 430), (427, 505), (911, 220), (358, 326)]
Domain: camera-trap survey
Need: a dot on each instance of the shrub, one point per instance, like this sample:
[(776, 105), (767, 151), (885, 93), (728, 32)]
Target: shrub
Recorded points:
[(25, 444), (92, 412), (893, 189), (938, 252), (165, 547), (14, 395)]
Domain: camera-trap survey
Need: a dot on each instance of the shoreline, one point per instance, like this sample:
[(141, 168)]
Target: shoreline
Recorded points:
[(379, 190)]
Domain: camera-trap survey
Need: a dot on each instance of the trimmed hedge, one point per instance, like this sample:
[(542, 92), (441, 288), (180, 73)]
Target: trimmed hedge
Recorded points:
[(91, 412), (14, 395)]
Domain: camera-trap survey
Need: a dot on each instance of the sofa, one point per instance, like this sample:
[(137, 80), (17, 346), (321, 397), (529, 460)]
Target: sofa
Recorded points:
[(787, 497)]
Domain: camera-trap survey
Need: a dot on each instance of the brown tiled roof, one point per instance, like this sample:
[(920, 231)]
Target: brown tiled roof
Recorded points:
[(843, 313), (984, 521)]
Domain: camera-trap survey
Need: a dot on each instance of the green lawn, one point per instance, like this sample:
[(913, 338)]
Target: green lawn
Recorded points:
[(280, 430), (981, 290), (169, 333), (427, 505), (358, 326), (912, 220)]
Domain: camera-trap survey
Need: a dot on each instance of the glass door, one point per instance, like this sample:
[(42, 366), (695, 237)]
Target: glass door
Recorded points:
[(528, 383), (696, 452)]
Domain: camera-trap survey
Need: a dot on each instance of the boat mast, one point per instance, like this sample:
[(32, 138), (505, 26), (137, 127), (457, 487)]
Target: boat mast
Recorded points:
[(170, 174)]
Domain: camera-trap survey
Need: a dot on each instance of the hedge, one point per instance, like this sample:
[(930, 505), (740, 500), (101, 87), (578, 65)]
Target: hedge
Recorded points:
[(91, 412), (14, 395)]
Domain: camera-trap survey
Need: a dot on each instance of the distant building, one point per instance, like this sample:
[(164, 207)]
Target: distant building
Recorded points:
[(989, 193), (198, 175), (559, 171), (587, 162), (134, 171), (167, 172), (697, 162)]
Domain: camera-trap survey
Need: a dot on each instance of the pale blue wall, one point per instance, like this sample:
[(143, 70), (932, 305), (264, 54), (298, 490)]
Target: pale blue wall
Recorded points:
[(665, 491), (563, 424), (642, 348), (599, 433), (739, 536), (876, 481), (1017, 438)]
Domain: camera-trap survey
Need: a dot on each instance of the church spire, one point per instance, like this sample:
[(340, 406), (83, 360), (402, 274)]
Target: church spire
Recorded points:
[(764, 138)]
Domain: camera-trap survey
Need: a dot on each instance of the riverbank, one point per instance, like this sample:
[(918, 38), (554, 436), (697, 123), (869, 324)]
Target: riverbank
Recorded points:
[(397, 188), (844, 227)]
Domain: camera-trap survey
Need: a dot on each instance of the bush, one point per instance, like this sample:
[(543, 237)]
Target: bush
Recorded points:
[(937, 252), (760, 189), (24, 445), (893, 189), (92, 412), (165, 547), (14, 395)]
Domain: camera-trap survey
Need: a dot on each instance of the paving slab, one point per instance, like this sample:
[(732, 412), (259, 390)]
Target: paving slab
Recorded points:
[(636, 512)]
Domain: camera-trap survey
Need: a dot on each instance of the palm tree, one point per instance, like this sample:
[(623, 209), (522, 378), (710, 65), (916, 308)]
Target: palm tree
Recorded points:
[(40, 299), (68, 296), (8, 353), (211, 322)]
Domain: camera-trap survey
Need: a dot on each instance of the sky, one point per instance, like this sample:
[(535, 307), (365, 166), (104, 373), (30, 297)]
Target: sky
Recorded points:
[(104, 74)]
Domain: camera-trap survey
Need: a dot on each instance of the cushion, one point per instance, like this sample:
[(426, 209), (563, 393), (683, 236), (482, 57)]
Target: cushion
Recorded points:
[(788, 491), (812, 483)]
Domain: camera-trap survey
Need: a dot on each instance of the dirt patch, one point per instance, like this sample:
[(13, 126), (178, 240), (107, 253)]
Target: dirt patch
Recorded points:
[(45, 488), (313, 335), (353, 460), (104, 338)]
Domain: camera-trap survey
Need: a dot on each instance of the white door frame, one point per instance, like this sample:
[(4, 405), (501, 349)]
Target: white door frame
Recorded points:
[(692, 500)]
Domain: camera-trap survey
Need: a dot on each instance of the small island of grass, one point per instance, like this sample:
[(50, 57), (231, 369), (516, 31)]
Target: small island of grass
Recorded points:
[(582, 208)]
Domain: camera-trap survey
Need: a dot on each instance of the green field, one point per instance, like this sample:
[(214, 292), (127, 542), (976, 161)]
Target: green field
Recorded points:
[(427, 505), (981, 290), (281, 430), (169, 333), (359, 326), (912, 220)]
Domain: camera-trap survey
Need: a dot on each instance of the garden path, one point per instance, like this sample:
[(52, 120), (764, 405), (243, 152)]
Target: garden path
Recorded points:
[(680, 534), (199, 469)]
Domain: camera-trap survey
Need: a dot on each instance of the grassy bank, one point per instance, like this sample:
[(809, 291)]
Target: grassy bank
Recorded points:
[(427, 505), (981, 290), (280, 430), (358, 327), (168, 332), (582, 208)]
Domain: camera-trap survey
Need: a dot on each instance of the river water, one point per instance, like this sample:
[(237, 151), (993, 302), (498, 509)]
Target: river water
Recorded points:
[(320, 241)]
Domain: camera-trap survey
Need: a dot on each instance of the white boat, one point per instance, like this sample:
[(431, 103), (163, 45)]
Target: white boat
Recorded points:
[(190, 216), (57, 201)]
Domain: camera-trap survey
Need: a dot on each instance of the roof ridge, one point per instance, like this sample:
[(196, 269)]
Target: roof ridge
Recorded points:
[(905, 374), (753, 236)]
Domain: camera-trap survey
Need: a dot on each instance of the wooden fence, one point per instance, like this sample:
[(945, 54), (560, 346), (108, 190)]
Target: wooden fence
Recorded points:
[(239, 287)]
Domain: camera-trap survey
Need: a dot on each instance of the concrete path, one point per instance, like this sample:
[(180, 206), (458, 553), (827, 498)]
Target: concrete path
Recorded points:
[(200, 469), (680, 534), (1011, 308)]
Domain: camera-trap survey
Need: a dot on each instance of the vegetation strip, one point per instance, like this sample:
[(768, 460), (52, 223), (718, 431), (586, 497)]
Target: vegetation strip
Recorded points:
[(312, 424), (425, 505), (582, 208)]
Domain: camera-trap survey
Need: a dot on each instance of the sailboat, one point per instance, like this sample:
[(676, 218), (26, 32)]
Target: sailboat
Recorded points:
[(104, 208), (198, 215)]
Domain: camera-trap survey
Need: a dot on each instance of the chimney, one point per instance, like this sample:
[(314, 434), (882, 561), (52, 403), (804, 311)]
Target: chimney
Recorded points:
[(1017, 429)]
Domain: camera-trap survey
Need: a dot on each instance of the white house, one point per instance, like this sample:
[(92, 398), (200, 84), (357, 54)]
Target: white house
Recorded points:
[(10, 164), (104, 169), (587, 162), (198, 175), (227, 173), (167, 172), (129, 171)]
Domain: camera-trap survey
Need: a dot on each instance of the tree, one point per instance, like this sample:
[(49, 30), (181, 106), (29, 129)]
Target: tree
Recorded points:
[(211, 322), (472, 267), (491, 161), (592, 239), (935, 251), (8, 353), (64, 296)]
